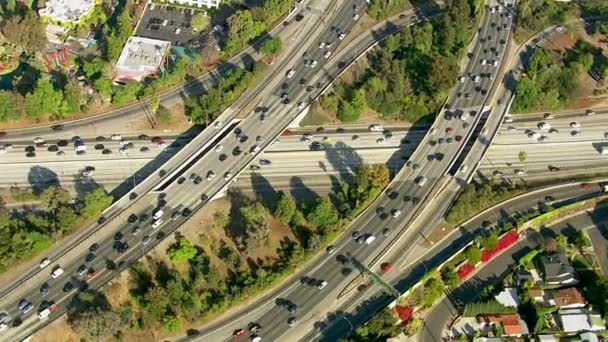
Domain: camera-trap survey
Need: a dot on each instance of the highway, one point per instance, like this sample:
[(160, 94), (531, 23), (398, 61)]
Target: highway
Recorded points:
[(176, 197), (311, 301), (442, 313)]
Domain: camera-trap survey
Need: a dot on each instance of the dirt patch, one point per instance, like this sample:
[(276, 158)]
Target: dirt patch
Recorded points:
[(179, 121), (439, 232), (59, 330)]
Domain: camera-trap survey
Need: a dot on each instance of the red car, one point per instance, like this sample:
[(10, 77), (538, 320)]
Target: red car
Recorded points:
[(449, 130), (286, 132), (387, 266), (458, 138), (587, 185), (157, 140), (90, 275), (53, 308), (239, 333)]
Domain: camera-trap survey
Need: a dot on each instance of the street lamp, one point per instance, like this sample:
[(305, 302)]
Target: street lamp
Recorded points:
[(349, 323)]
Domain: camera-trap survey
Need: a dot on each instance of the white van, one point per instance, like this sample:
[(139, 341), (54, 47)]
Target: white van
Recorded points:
[(158, 214), (56, 272), (44, 314), (421, 181), (371, 238)]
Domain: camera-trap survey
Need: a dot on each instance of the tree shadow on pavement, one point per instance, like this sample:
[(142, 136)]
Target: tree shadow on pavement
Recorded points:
[(344, 159), (263, 190), (301, 192), (41, 178)]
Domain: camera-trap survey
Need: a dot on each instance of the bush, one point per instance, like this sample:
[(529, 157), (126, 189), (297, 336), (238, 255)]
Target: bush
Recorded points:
[(450, 277), (183, 250), (473, 254), (487, 308), (477, 197), (271, 46)]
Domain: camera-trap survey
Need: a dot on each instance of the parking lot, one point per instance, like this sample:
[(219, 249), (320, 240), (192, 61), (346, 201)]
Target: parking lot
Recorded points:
[(169, 23)]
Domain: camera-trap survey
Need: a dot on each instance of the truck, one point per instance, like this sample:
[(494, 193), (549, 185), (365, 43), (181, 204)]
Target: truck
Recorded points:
[(604, 150)]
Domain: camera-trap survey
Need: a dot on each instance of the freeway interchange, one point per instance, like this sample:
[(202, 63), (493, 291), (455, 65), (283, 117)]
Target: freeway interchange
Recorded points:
[(198, 173)]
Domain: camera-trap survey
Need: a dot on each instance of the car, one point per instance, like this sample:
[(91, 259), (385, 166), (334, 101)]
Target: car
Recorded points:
[(407, 199), (44, 289), (575, 124), (381, 141), (341, 36), (227, 175), (243, 138), (45, 262), (30, 154), (116, 137), (53, 148), (236, 151), (290, 73), (395, 213), (90, 257), (291, 321), (105, 151), (590, 112), (82, 270), (135, 231), (123, 246), (210, 175), (175, 215), (265, 162), (386, 266), (330, 249), (38, 140), (356, 16), (146, 240), (186, 212), (386, 232), (327, 54), (355, 235), (254, 167), (238, 333), (292, 308), (218, 148), (90, 274), (321, 284), (197, 180), (313, 63), (157, 223), (575, 133), (301, 105), (449, 130), (458, 138)]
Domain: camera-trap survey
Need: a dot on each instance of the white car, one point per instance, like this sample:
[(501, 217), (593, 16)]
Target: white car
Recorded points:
[(381, 141), (158, 214), (290, 73), (45, 262), (116, 137), (322, 285), (218, 148), (494, 63), (464, 168), (575, 124), (321, 45), (476, 79), (520, 172), (3, 326), (483, 62), (356, 16), (255, 149), (217, 124), (396, 213), (301, 105), (38, 140), (341, 36), (327, 54), (313, 63), (533, 135), (2, 150), (124, 142), (461, 79), (227, 176), (157, 223), (210, 175), (544, 125)]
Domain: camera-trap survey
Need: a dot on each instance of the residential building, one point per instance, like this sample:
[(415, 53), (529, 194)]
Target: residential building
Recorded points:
[(537, 294), (567, 298), (196, 3), (588, 337), (576, 320), (140, 58), (66, 10), (508, 297), (512, 324), (556, 269)]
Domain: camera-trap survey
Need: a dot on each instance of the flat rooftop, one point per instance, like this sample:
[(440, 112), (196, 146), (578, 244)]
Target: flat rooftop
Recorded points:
[(66, 10), (142, 55)]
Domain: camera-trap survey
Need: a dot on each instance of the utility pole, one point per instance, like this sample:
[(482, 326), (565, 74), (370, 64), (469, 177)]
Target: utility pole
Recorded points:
[(375, 277)]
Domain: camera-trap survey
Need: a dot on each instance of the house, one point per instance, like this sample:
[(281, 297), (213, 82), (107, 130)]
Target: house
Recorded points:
[(556, 269), (512, 324), (62, 11), (508, 297), (522, 275), (588, 337), (575, 320), (140, 58), (537, 294), (567, 298)]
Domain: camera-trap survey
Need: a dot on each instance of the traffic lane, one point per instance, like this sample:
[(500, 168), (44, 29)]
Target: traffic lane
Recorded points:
[(495, 269), (561, 132), (531, 118)]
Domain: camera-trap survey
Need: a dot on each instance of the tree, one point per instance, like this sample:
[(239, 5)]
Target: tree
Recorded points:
[(126, 93), (412, 326), (97, 324), (380, 176), (164, 115), (156, 302), (154, 103), (94, 68), (324, 213), (12, 105), (27, 31), (53, 197), (450, 277), (103, 85), (357, 100), (580, 239), (241, 29), (183, 250), (522, 156), (473, 254), (285, 207), (199, 22), (171, 323), (330, 102), (95, 202), (45, 100), (433, 288), (72, 95), (271, 46), (347, 113)]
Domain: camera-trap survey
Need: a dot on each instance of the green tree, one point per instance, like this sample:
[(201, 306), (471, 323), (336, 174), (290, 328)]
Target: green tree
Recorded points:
[(94, 68), (271, 46), (183, 250), (330, 102), (241, 29), (126, 93), (171, 323), (285, 208), (103, 85), (156, 303), (25, 30), (73, 97), (450, 277), (323, 213), (433, 288), (199, 22), (53, 197), (580, 239), (154, 103), (522, 156), (347, 113), (97, 324), (164, 115), (12, 106), (473, 254), (45, 100), (95, 202), (357, 100)]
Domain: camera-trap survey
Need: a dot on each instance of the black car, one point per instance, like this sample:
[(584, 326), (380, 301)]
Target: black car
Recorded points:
[(204, 197), (132, 219), (238, 131), (198, 180), (82, 270), (223, 157), (181, 180), (57, 128), (90, 257), (44, 289), (292, 308), (122, 247), (162, 203), (100, 138), (93, 247), (299, 17), (30, 154), (143, 137), (53, 148), (100, 147), (186, 212), (62, 143), (106, 151), (110, 265), (243, 139), (118, 236), (30, 148), (236, 151)]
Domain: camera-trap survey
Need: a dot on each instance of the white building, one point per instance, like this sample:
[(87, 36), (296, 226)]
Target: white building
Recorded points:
[(66, 10), (195, 3), (575, 320), (508, 297), (140, 58)]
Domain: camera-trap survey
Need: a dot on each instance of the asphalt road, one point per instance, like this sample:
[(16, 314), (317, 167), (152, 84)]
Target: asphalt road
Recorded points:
[(441, 314), (411, 262)]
